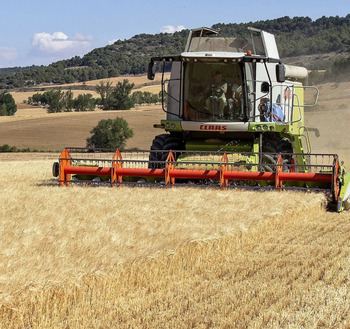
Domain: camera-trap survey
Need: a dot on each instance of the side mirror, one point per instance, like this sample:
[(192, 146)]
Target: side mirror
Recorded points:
[(265, 87), (280, 73), (151, 70)]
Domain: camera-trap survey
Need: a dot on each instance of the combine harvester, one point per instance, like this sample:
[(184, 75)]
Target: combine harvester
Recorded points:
[(234, 118)]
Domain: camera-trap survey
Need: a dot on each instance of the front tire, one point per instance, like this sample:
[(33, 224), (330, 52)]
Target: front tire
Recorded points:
[(165, 143), (272, 147)]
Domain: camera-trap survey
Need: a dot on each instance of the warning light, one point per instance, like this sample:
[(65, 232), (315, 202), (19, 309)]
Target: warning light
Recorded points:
[(249, 53)]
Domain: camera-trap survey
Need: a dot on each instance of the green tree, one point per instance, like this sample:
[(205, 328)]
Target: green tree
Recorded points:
[(137, 97), (147, 97), (55, 101), (104, 89), (37, 99), (120, 98), (84, 102), (7, 104), (3, 109), (155, 99), (110, 133), (69, 100)]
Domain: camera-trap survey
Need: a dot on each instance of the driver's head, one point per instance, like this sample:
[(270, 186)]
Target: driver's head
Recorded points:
[(218, 76), (263, 103)]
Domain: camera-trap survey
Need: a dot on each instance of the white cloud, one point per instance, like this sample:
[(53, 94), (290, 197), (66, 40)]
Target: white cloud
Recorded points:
[(8, 54), (80, 37), (171, 28), (59, 42)]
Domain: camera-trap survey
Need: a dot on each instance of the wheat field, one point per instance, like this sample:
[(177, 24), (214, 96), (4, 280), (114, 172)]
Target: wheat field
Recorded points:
[(84, 257)]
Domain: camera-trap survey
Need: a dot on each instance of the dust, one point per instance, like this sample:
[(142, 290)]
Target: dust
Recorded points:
[(331, 116)]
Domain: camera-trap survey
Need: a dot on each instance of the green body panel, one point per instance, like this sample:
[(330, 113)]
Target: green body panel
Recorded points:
[(297, 124), (300, 159), (268, 127), (345, 186)]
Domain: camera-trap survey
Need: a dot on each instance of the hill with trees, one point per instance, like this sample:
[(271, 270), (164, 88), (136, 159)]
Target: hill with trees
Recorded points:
[(298, 36)]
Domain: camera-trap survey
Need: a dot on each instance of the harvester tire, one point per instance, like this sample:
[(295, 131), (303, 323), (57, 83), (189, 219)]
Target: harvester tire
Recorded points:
[(55, 169), (164, 142), (276, 146), (158, 142)]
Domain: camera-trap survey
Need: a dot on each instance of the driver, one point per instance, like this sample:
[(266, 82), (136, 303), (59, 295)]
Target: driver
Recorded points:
[(265, 111), (217, 100)]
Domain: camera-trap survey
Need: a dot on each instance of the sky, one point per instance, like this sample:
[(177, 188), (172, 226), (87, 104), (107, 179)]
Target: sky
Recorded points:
[(39, 32)]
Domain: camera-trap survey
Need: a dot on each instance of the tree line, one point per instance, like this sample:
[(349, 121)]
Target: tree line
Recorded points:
[(300, 35), (118, 97), (295, 36), (59, 101)]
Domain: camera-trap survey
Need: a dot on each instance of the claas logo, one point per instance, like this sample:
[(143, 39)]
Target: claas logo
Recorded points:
[(213, 127)]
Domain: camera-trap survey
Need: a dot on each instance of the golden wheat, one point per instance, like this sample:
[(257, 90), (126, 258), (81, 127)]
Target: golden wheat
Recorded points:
[(82, 257)]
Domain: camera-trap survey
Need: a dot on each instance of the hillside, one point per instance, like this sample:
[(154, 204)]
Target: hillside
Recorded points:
[(298, 36)]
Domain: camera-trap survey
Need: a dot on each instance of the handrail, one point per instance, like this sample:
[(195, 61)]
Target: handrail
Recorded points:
[(299, 107), (316, 96), (307, 138)]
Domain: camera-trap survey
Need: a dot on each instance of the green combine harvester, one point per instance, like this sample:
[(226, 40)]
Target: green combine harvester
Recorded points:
[(234, 119)]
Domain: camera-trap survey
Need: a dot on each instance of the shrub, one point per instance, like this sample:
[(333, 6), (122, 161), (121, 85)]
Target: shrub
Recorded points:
[(7, 104), (110, 133)]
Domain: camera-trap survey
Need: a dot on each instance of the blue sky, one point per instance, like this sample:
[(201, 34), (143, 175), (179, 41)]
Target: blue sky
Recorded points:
[(40, 32)]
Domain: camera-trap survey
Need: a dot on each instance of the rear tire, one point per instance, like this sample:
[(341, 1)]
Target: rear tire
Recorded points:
[(164, 142)]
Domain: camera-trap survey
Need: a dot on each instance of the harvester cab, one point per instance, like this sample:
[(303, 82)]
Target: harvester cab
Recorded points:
[(234, 118), (233, 94)]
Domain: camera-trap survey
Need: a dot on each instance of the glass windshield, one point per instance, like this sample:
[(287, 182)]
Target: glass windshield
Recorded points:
[(213, 92)]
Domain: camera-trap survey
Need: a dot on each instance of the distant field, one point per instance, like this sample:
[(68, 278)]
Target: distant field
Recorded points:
[(33, 128), (141, 83), (138, 80)]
